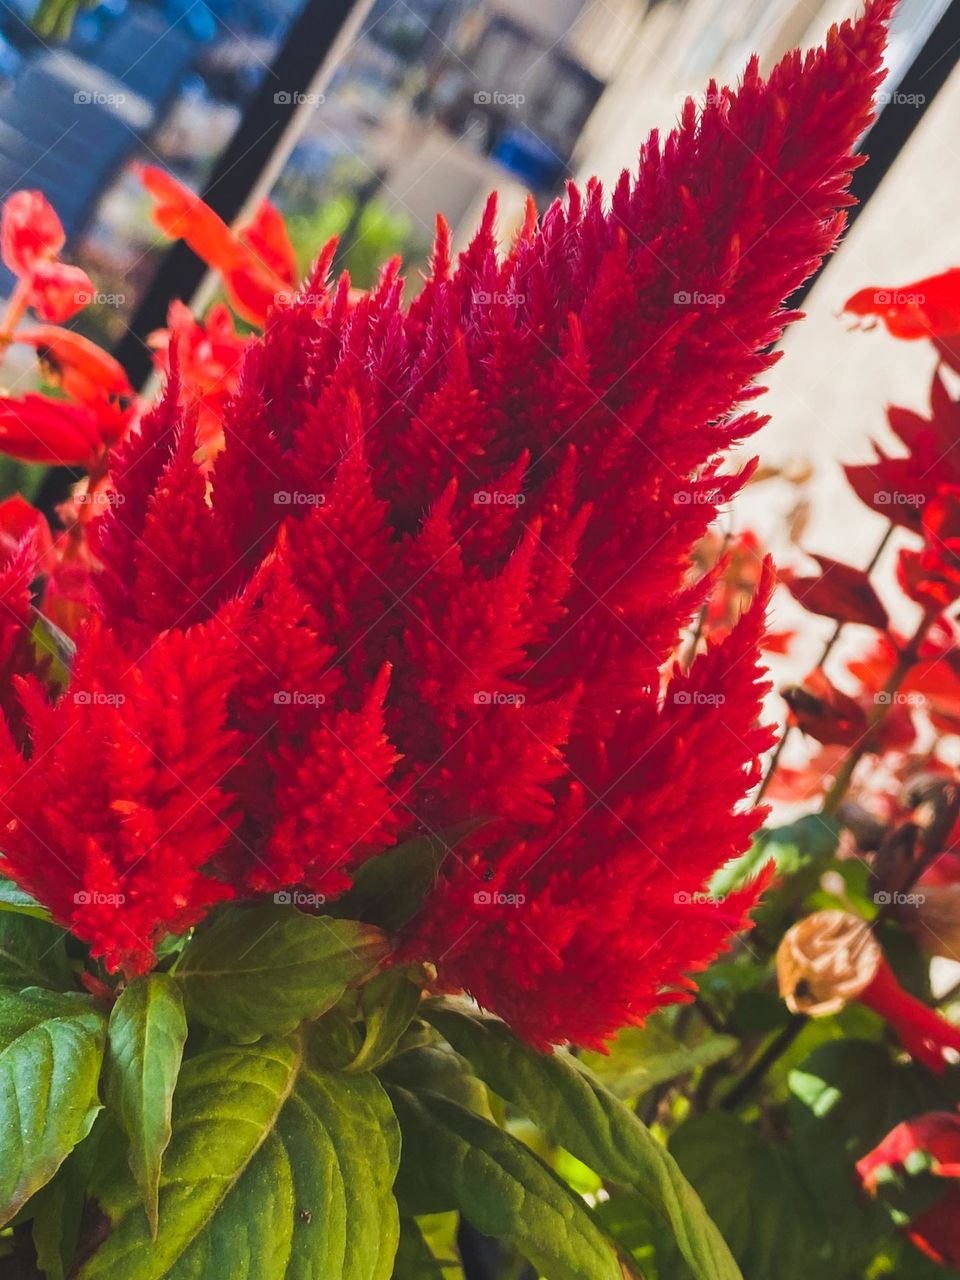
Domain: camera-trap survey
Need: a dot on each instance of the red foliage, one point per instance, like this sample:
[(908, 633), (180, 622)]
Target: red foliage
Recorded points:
[(840, 592)]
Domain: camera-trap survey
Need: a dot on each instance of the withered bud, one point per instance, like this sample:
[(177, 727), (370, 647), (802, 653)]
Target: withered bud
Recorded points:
[(826, 960)]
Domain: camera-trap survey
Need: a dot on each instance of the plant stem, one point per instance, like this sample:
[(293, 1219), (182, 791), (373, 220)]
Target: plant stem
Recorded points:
[(824, 655), (762, 1064), (884, 701)]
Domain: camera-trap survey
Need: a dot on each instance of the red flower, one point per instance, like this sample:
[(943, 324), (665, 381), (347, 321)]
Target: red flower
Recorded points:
[(30, 231), (928, 308), (899, 489), (83, 370), (210, 356), (31, 237), (41, 429), (935, 1135), (129, 805), (449, 543), (257, 265)]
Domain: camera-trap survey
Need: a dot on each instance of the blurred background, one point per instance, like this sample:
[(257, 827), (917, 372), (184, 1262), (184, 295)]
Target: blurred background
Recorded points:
[(366, 118)]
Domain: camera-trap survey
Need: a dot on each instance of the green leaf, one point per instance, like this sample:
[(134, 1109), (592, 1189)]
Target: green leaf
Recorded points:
[(57, 1209), (51, 643), (14, 899), (264, 970), (756, 1192), (578, 1113), (32, 952), (52, 1048), (415, 1259), (435, 1068), (812, 838), (276, 1168), (454, 1160), (642, 1057), (388, 890), (389, 1003), (145, 1042)]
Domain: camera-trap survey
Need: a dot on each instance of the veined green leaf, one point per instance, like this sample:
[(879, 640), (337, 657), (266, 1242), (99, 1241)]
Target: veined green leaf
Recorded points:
[(32, 952), (453, 1159), (389, 1003), (51, 1049), (276, 1169), (579, 1114), (264, 970), (145, 1042)]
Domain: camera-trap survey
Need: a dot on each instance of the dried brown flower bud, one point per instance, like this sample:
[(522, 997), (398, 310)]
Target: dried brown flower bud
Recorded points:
[(826, 960)]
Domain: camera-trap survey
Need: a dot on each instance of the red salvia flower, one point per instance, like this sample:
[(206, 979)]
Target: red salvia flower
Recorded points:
[(31, 238), (38, 428), (437, 570), (936, 1135), (257, 264)]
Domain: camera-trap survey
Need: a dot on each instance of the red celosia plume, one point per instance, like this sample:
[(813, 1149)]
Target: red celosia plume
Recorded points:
[(435, 575)]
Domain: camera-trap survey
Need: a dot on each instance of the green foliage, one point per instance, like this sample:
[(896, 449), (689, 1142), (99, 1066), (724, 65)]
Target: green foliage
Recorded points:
[(146, 1035), (51, 1049), (368, 236), (263, 970)]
